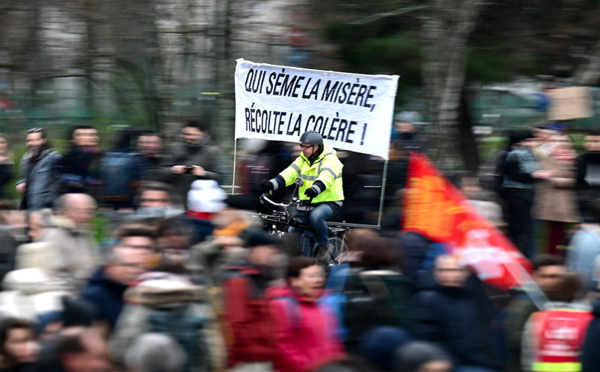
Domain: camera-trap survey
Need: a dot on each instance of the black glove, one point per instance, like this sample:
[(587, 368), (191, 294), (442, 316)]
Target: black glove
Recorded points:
[(311, 192), (266, 185)]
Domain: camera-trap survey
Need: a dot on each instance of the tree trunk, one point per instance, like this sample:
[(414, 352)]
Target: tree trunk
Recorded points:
[(589, 73), (445, 32), (467, 142)]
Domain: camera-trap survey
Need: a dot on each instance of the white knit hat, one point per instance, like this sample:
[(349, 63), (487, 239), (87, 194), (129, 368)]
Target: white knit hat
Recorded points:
[(206, 196)]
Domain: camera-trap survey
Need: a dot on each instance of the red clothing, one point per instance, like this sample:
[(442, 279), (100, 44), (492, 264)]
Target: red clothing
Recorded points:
[(247, 314), (557, 336), (306, 334)]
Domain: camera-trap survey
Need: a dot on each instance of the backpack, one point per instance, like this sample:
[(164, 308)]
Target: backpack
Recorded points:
[(120, 172), (372, 301), (185, 328)]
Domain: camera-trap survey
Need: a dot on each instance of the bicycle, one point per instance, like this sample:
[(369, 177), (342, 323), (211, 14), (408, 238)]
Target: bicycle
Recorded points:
[(280, 221)]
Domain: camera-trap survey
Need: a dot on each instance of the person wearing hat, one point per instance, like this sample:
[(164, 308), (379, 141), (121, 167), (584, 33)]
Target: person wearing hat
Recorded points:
[(247, 320), (321, 170)]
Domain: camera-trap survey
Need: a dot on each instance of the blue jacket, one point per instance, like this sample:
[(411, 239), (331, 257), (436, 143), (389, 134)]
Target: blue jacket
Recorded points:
[(106, 295), (520, 164)]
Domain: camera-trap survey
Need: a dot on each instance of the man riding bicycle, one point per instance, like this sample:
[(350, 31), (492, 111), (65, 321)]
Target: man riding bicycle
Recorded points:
[(321, 170)]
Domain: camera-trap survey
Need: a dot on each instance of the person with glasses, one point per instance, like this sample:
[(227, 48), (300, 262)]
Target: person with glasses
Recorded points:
[(39, 180), (321, 170)]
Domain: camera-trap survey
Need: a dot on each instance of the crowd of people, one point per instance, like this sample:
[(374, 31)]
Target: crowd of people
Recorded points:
[(183, 277)]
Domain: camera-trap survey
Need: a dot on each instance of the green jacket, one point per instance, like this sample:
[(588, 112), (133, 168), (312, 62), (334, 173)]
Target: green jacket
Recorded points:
[(327, 168)]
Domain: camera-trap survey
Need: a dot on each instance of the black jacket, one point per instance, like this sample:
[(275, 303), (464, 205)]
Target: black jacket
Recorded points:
[(458, 320)]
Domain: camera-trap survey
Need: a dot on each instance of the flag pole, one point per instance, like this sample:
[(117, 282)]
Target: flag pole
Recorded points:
[(234, 165), (382, 197)]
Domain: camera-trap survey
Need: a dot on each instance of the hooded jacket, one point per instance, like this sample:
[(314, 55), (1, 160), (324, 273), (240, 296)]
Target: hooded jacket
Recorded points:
[(165, 292)]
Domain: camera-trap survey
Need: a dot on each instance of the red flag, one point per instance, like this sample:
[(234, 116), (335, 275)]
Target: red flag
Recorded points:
[(435, 208)]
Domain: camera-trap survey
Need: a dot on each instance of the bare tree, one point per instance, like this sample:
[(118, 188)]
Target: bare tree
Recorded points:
[(446, 28)]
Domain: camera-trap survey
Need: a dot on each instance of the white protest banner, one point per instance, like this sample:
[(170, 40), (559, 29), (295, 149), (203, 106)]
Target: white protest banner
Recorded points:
[(351, 111)]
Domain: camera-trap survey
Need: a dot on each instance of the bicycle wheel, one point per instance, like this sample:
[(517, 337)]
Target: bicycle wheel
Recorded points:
[(341, 252)]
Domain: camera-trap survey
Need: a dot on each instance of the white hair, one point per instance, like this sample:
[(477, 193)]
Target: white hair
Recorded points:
[(156, 352)]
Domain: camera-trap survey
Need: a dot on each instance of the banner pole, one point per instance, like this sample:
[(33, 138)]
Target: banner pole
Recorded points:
[(382, 197), (530, 287), (234, 165)]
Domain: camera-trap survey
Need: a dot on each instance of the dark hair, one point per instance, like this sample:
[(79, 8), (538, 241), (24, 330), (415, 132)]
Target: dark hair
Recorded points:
[(547, 260), (567, 287), (518, 136), (72, 129), (377, 253), (456, 177), (592, 132), (593, 208), (129, 229), (173, 227), (200, 124), (297, 264), (7, 325), (123, 139), (38, 130), (156, 186), (347, 364)]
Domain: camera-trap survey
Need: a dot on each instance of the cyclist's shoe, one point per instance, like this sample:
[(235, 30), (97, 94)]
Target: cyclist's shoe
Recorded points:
[(324, 253)]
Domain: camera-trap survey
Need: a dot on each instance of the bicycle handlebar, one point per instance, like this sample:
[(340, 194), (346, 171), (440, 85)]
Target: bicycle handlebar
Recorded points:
[(265, 199)]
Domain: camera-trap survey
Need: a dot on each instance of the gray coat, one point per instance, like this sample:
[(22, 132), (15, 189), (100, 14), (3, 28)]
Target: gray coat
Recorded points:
[(43, 180), (206, 155)]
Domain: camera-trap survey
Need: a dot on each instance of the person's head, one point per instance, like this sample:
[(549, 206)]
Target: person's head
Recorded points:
[(136, 236), (124, 264), (35, 138), (562, 147), (346, 364), (405, 121), (379, 344), (155, 352), (547, 271), (123, 139), (567, 287), (38, 221), (150, 144), (449, 272), (467, 183), (17, 341), (262, 248), (592, 141), (79, 208), (174, 239), (376, 252), (593, 208), (420, 356), (237, 208), (82, 350), (193, 132), (522, 138), (155, 194), (542, 133), (305, 276), (83, 135), (311, 144)]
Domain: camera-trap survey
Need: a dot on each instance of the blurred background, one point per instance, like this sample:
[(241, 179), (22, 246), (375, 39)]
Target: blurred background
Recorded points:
[(471, 69)]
